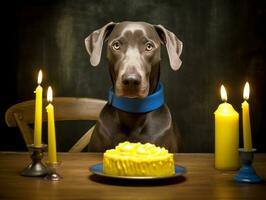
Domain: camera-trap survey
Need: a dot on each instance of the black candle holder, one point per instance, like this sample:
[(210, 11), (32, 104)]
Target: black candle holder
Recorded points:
[(52, 171), (247, 173), (36, 168)]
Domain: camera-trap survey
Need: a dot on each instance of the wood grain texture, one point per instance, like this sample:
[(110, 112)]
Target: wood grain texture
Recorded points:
[(201, 181), (66, 108)]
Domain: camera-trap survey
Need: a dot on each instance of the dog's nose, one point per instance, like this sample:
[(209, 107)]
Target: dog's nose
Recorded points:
[(131, 79)]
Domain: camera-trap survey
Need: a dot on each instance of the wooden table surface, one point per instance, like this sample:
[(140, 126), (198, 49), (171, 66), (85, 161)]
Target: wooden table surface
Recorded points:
[(201, 181)]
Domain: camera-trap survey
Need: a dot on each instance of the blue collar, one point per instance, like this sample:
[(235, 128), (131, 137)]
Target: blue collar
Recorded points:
[(136, 105)]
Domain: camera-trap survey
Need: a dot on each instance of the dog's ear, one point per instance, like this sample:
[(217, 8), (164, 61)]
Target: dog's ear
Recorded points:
[(173, 45), (94, 42)]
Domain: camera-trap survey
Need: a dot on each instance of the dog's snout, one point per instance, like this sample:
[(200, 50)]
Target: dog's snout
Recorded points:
[(131, 80)]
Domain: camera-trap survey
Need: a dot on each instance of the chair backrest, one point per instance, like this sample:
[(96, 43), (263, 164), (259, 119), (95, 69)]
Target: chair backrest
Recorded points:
[(66, 108)]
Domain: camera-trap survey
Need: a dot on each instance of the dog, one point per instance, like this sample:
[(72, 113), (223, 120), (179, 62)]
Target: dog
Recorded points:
[(133, 53)]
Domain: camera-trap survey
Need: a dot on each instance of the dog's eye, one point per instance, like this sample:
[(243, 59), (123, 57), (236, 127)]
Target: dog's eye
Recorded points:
[(149, 47), (116, 45)]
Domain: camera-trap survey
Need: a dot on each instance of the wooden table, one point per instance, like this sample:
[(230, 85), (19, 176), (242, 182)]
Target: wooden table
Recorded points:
[(201, 181)]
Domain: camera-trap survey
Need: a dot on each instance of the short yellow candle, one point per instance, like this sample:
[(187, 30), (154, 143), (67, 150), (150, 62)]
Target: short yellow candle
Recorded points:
[(38, 113), (246, 120), (51, 128), (226, 135)]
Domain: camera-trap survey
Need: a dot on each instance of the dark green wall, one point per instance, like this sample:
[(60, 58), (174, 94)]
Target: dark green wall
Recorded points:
[(224, 42)]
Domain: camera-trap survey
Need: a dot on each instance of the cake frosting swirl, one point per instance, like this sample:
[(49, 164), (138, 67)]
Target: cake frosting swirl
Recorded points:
[(136, 159)]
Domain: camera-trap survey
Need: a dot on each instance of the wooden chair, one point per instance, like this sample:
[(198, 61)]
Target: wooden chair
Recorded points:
[(66, 108)]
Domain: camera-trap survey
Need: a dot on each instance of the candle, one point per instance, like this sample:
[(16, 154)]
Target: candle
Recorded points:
[(51, 128), (246, 120), (38, 113), (226, 135)]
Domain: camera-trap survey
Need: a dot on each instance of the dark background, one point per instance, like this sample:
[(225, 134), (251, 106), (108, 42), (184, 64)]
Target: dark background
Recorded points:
[(224, 43)]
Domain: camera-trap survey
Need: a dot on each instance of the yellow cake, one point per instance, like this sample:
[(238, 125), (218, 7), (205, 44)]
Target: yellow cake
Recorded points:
[(136, 159)]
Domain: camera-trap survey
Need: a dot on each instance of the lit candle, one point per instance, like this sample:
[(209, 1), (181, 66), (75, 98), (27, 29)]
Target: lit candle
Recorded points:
[(246, 120), (226, 135), (38, 113), (51, 128)]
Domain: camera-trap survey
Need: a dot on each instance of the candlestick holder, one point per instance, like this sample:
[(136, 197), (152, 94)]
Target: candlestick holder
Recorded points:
[(36, 168), (247, 173), (52, 172)]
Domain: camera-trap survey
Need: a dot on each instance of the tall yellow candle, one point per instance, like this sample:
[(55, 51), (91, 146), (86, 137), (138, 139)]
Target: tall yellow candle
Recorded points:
[(38, 113), (246, 120), (226, 135), (51, 128)]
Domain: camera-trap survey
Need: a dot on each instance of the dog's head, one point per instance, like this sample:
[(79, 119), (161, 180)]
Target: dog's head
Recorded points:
[(133, 54)]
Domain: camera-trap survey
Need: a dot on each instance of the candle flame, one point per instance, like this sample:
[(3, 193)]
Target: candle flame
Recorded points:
[(246, 91), (49, 94), (39, 77), (223, 93)]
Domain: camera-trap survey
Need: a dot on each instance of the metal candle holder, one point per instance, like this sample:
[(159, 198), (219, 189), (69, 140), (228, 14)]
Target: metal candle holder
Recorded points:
[(36, 168), (247, 173), (52, 171)]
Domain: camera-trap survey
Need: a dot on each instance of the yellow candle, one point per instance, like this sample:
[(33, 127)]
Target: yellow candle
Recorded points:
[(246, 120), (51, 128), (226, 135), (38, 113)]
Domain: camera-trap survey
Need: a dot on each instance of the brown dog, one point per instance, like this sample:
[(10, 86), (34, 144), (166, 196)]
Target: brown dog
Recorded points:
[(133, 53)]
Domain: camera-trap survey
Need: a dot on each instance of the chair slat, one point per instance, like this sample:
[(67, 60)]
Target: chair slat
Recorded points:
[(82, 142), (66, 108)]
